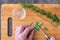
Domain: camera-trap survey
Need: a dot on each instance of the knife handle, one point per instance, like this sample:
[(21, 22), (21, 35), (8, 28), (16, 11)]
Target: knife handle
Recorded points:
[(47, 38)]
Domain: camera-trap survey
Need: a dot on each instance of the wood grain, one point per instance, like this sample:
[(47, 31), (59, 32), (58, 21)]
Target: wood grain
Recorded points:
[(7, 12)]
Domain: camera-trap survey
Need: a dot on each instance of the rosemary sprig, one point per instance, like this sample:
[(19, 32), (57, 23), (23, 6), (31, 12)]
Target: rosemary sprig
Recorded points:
[(54, 18), (37, 26)]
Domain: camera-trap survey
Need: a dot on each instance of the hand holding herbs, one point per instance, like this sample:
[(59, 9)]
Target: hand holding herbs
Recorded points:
[(54, 18), (26, 33)]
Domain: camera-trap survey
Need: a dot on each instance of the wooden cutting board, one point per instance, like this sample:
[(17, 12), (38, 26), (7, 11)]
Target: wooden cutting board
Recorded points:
[(6, 12)]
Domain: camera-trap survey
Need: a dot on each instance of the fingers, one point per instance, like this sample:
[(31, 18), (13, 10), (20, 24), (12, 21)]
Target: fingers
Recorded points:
[(31, 35), (20, 29), (27, 30), (52, 38)]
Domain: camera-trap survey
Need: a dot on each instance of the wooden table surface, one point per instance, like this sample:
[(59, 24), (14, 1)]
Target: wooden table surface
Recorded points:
[(7, 12)]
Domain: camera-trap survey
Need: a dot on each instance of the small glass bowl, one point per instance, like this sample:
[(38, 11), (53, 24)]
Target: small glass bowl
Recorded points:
[(19, 13)]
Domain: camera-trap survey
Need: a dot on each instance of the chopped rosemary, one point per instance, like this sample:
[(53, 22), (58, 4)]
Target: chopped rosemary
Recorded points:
[(54, 18), (45, 28), (31, 23)]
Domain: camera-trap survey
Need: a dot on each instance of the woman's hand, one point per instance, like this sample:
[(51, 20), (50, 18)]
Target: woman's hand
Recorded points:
[(24, 32)]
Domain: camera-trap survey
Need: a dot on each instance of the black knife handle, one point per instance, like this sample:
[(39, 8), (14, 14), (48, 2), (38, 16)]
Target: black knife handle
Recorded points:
[(47, 38)]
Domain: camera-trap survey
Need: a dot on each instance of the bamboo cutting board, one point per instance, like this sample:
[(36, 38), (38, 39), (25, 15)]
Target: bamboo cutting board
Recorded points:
[(6, 12)]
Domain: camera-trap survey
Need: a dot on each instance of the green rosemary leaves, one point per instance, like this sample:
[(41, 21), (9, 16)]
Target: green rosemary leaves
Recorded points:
[(54, 18), (37, 26)]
